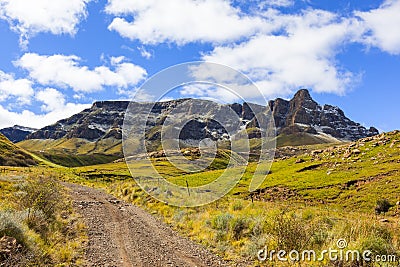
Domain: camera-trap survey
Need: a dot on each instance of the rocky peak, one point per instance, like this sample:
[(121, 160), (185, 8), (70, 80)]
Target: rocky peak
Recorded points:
[(303, 99), (302, 113)]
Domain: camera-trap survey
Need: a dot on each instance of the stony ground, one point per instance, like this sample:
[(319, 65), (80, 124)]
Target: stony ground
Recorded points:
[(124, 235)]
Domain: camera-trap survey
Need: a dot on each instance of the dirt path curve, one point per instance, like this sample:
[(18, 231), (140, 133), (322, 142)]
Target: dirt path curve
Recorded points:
[(122, 234)]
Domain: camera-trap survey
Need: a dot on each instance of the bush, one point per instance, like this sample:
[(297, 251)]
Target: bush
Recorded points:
[(378, 246), (221, 222), (382, 206), (292, 232), (237, 205), (41, 195), (238, 227), (11, 225)]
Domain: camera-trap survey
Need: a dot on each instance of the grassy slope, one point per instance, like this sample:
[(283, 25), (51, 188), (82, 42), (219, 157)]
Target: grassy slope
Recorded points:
[(299, 139), (75, 152), (11, 155)]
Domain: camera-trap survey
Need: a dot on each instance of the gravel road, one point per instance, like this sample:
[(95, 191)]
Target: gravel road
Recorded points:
[(125, 235)]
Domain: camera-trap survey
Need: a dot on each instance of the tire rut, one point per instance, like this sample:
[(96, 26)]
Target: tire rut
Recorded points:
[(121, 234)]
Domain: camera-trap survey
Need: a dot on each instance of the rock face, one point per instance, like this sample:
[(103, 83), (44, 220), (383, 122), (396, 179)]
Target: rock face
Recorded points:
[(17, 133), (303, 114), (103, 120), (300, 114)]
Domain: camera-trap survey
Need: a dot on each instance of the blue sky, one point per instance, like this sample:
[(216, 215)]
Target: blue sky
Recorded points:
[(57, 57)]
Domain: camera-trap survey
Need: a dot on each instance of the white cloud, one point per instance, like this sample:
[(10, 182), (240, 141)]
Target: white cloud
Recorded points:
[(52, 99), (30, 119), (181, 21), (65, 71), (31, 17), (208, 92), (145, 53), (301, 55), (21, 89), (277, 3), (382, 26)]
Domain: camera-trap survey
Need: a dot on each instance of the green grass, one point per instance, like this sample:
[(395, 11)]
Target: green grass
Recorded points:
[(299, 139), (79, 146), (67, 160)]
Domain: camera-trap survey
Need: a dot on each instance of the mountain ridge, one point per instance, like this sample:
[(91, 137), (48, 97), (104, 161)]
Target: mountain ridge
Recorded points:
[(17, 133), (301, 114)]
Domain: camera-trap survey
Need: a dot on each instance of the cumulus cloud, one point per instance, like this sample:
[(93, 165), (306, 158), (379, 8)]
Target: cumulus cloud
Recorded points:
[(30, 119), (181, 21), (28, 18), (66, 71), (382, 26), (52, 99), (21, 89), (302, 55), (21, 93)]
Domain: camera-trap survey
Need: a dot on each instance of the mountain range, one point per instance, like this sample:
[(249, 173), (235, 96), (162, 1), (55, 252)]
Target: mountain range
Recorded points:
[(98, 130)]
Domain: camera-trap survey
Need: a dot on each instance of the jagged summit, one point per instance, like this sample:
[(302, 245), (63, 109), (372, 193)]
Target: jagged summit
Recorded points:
[(303, 114)]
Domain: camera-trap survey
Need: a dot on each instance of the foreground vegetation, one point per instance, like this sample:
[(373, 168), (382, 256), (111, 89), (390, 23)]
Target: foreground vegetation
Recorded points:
[(310, 201), (38, 226)]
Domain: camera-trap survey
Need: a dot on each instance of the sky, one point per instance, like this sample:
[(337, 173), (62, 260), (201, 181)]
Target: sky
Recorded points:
[(58, 57)]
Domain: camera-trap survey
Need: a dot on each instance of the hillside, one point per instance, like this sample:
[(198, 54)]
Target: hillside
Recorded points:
[(11, 155)]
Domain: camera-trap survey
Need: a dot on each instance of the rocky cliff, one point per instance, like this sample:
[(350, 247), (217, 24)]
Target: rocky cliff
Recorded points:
[(303, 114), (17, 133), (300, 114)]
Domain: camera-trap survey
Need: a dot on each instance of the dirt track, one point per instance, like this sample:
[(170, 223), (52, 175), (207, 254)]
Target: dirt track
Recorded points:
[(124, 235)]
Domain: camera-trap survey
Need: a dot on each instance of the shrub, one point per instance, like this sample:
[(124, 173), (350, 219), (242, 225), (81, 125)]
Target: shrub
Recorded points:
[(378, 246), (237, 205), (11, 225), (292, 232), (42, 195), (382, 206), (238, 227), (258, 227), (221, 222)]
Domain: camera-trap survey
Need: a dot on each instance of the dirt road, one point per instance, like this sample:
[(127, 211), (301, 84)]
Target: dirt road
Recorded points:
[(124, 235)]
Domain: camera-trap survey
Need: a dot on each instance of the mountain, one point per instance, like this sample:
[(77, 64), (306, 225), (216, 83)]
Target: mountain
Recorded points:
[(303, 114), (98, 130), (17, 133), (11, 155)]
